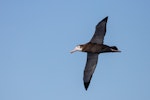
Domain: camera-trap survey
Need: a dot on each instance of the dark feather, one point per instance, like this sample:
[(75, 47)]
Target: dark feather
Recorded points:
[(91, 63), (100, 31)]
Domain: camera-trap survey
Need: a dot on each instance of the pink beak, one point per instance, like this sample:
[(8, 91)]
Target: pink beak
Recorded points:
[(72, 51)]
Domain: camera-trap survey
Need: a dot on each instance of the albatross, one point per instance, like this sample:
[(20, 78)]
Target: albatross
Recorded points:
[(93, 48)]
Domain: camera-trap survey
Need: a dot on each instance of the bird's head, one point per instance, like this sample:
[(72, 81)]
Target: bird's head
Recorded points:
[(77, 48)]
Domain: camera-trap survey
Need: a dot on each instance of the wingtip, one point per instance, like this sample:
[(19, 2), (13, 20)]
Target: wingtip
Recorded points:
[(86, 85), (105, 19), (102, 21)]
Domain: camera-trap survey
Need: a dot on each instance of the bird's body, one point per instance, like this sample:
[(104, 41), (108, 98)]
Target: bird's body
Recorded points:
[(93, 49), (96, 48)]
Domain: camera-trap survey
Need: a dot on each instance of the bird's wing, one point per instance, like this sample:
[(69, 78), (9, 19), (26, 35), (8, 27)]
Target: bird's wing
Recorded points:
[(100, 31), (89, 68)]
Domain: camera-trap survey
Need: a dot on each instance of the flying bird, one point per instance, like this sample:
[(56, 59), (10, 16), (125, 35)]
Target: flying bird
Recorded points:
[(93, 48)]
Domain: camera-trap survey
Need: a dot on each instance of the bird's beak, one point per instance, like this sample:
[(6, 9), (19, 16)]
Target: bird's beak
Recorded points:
[(72, 51)]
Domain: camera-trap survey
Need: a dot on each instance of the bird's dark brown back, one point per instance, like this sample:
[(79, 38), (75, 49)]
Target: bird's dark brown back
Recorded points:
[(93, 47)]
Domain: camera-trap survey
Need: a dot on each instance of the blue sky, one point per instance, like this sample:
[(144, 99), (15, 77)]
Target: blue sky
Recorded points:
[(37, 35)]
